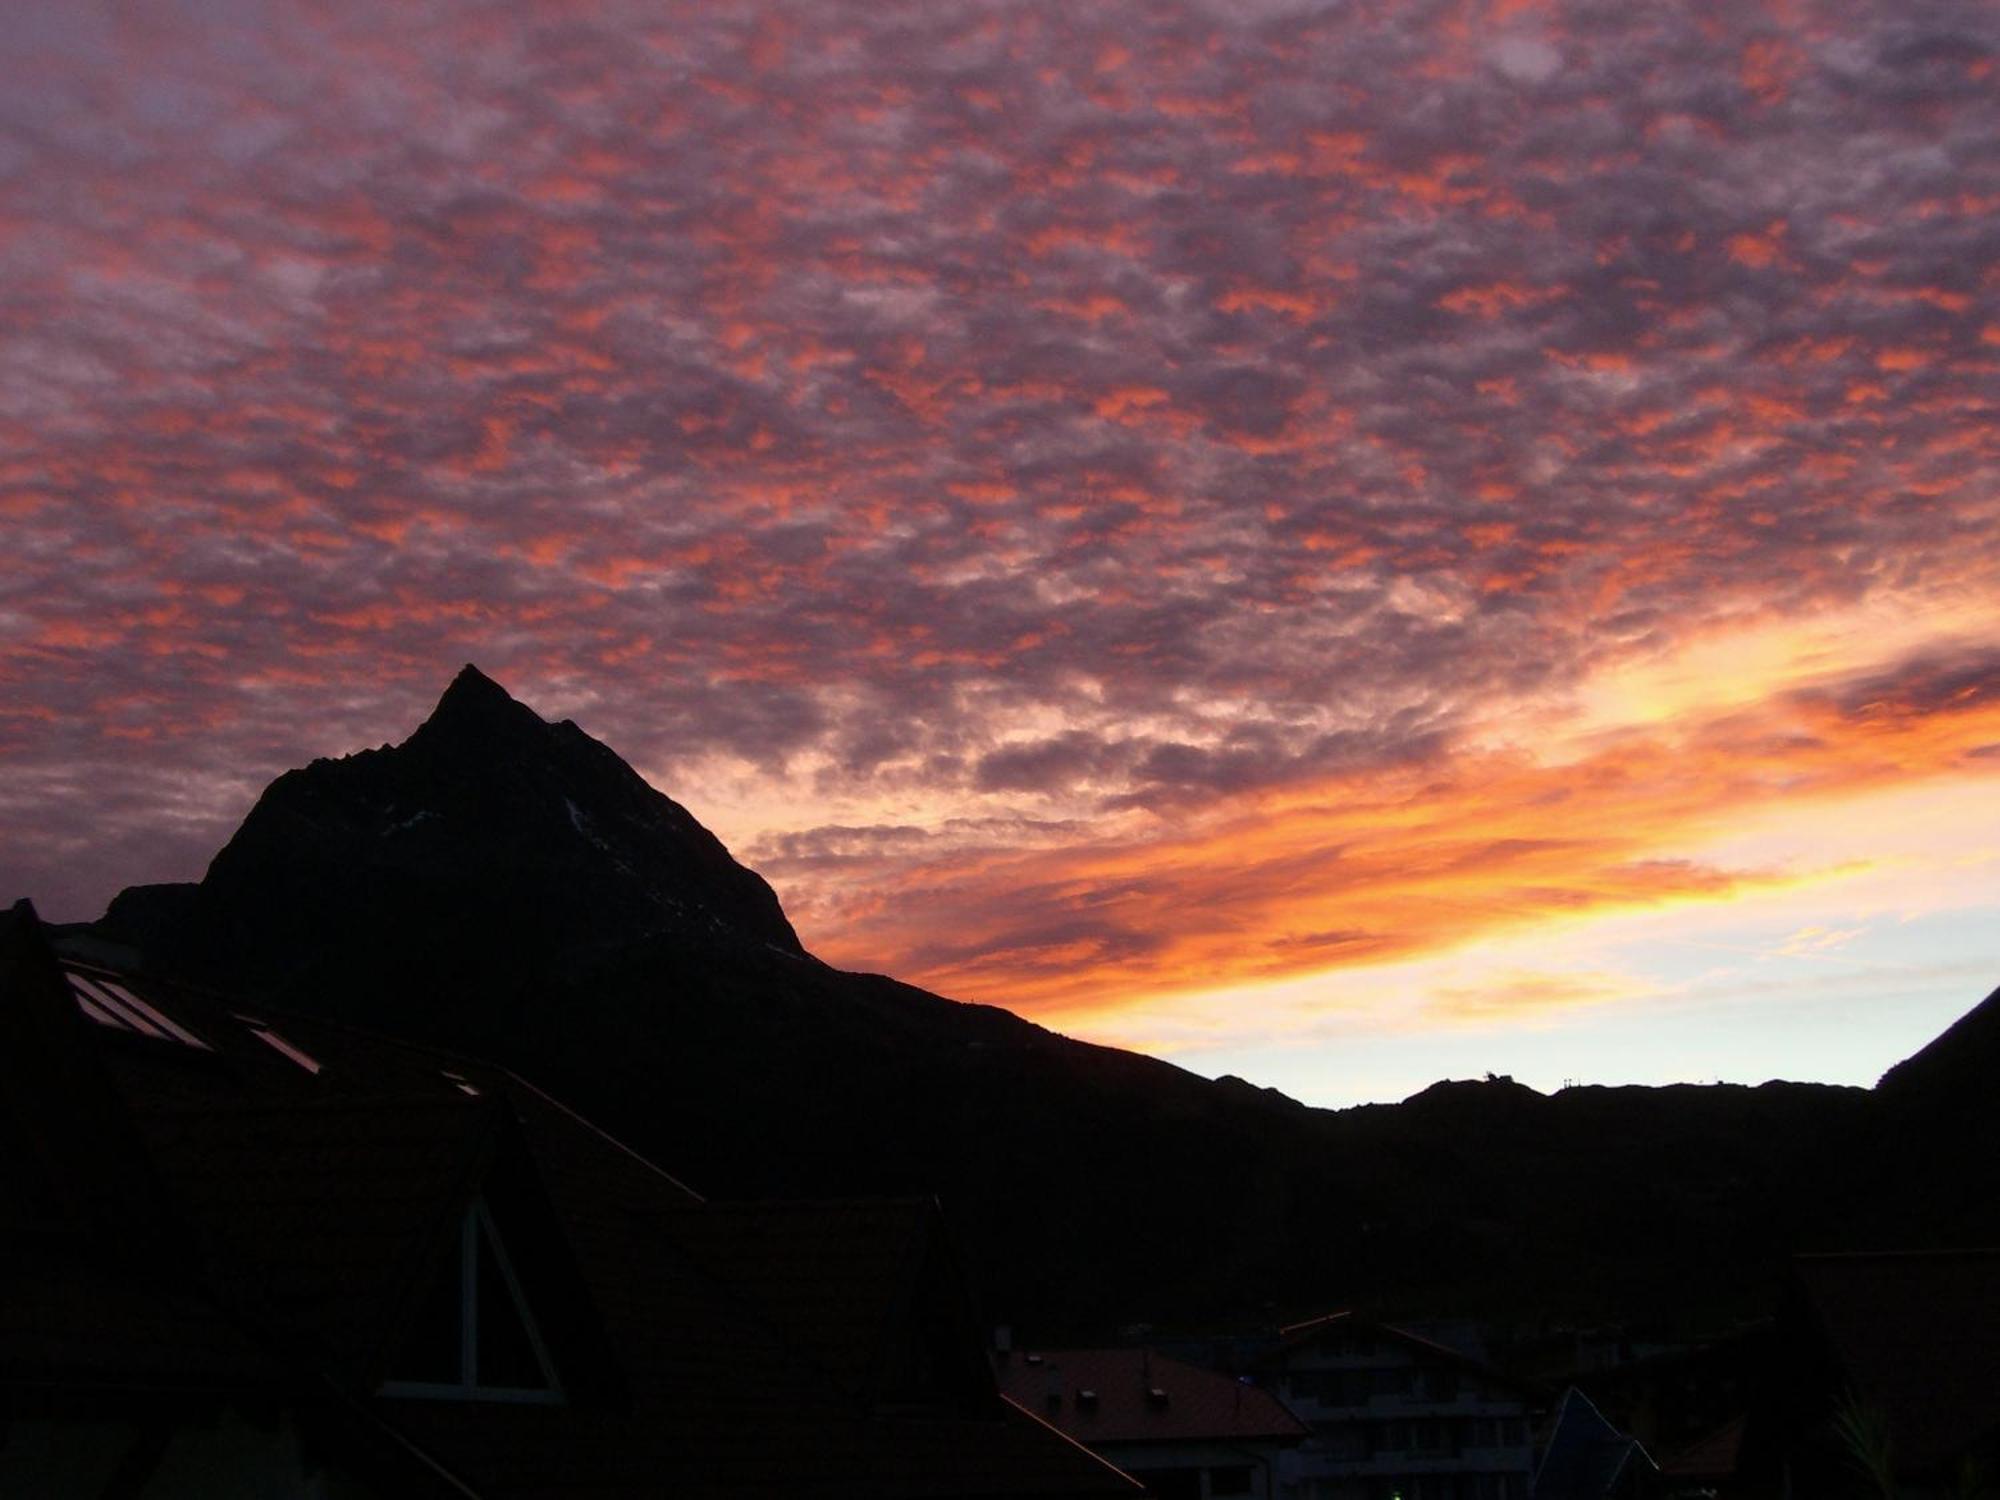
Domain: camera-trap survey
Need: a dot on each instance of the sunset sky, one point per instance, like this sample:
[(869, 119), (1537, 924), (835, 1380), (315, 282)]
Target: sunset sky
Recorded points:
[(1345, 543)]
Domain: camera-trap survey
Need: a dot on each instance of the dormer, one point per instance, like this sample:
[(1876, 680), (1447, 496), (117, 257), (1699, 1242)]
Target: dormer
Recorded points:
[(495, 1307), (474, 1335)]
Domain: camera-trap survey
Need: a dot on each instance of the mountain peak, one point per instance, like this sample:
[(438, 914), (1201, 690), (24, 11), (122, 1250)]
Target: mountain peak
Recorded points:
[(488, 828), (474, 705)]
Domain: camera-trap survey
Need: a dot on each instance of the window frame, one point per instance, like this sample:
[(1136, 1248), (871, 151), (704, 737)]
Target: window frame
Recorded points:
[(478, 1220)]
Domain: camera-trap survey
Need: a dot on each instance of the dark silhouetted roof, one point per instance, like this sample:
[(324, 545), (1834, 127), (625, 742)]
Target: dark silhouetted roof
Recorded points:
[(237, 1214), (1141, 1396), (1586, 1457), (1339, 1325), (1711, 1457)]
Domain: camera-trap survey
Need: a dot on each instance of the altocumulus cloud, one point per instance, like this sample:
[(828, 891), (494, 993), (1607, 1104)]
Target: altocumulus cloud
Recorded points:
[(1143, 420)]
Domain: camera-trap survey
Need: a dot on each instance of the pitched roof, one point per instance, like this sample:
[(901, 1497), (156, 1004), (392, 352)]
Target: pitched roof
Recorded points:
[(1140, 1396), (1296, 1336), (836, 1277), (303, 1195), (318, 1217), (1586, 1456), (1713, 1456)]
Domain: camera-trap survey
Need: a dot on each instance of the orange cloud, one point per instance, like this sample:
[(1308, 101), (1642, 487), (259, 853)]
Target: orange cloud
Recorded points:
[(1396, 864)]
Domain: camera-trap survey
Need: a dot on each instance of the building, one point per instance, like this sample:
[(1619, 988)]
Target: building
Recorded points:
[(1395, 1416), (1687, 1404), (1586, 1458), (249, 1254), (1186, 1433)]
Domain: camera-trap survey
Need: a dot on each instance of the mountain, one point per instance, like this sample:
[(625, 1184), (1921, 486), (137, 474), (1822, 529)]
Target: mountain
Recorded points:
[(486, 826), (1961, 1063), (1932, 1152), (510, 888)]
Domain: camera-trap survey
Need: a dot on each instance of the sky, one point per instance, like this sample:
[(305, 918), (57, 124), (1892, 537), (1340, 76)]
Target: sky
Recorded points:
[(1343, 543)]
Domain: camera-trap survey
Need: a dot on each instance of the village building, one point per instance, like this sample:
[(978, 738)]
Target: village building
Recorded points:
[(1395, 1416), (1186, 1433), (243, 1253)]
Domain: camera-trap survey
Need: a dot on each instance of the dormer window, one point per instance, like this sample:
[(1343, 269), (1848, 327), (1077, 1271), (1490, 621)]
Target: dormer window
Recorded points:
[(473, 1338)]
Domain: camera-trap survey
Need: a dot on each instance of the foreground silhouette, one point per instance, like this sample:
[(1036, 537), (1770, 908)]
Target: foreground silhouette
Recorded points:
[(511, 888)]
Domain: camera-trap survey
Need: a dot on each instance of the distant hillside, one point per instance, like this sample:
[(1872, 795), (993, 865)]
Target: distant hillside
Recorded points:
[(511, 888)]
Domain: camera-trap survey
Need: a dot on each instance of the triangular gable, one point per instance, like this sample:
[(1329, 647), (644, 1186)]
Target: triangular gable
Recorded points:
[(497, 1307), (473, 1335), (1586, 1457), (934, 1348)]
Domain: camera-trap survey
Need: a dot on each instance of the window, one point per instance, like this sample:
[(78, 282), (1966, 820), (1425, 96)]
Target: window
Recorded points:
[(1323, 1386), (1343, 1439), (1234, 1480), (109, 1003), (284, 1048), (473, 1338)]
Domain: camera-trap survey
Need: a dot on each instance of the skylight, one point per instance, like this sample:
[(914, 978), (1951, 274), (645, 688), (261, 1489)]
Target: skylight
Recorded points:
[(109, 1003), (297, 1054)]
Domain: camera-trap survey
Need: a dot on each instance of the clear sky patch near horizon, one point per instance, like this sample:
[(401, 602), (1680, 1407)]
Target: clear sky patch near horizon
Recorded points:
[(1342, 543)]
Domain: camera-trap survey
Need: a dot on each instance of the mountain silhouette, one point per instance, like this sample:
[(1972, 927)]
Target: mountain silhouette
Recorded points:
[(511, 888), (1963, 1061), (486, 826)]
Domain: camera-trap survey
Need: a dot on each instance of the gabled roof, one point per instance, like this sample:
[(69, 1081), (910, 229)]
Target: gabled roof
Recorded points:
[(289, 1205), (1713, 1456), (1344, 1325), (1139, 1396), (319, 1218), (1586, 1458)]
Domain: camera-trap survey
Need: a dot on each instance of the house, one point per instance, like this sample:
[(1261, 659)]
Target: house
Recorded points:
[(1687, 1404), (1395, 1416), (1185, 1432), (251, 1254)]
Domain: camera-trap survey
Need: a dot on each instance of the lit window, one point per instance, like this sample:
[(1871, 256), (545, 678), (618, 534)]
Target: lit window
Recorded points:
[(109, 1003), (472, 1338)]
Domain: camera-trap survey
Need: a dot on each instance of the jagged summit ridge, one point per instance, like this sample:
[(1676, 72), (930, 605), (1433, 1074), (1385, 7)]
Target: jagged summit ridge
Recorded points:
[(474, 705), (486, 820)]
